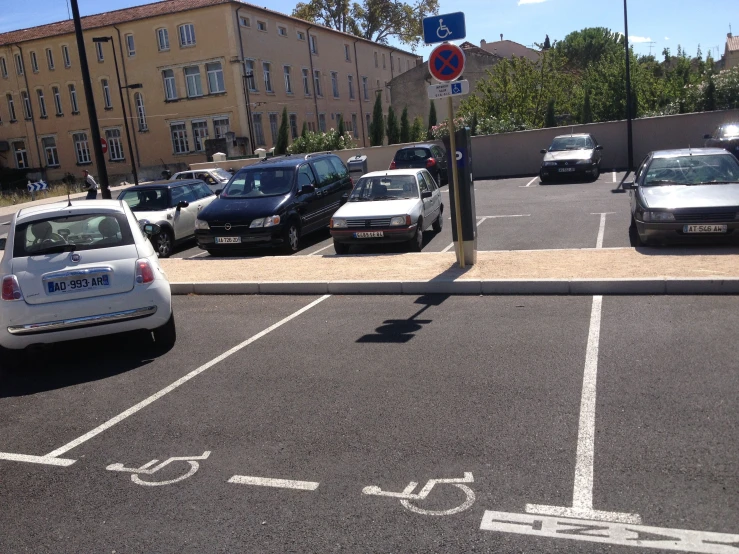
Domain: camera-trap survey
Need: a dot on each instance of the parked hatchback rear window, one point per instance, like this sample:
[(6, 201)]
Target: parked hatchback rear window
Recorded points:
[(412, 154)]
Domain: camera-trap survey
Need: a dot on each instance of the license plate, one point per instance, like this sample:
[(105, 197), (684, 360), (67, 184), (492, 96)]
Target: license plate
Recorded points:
[(369, 235), (704, 229), (228, 240), (77, 284), (566, 169)]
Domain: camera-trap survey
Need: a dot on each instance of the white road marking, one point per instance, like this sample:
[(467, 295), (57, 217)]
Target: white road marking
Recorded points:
[(147, 469), (448, 248), (407, 495), (278, 483), (681, 540), (45, 460), (198, 255), (321, 250), (601, 229), (181, 381), (529, 183), (614, 176)]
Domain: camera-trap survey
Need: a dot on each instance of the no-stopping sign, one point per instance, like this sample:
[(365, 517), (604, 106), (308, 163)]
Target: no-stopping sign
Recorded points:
[(446, 62)]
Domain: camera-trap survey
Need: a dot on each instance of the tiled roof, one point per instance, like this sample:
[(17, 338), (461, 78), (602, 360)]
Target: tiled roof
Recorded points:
[(104, 19), (732, 43)]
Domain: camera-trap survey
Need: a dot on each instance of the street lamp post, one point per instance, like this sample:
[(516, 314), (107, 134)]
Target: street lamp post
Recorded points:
[(247, 76), (629, 115), (123, 105)]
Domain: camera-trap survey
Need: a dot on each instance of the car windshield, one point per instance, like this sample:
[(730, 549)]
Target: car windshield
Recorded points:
[(222, 174), (692, 170), (66, 233), (387, 187), (561, 144), (729, 131), (255, 182), (145, 200), (412, 154)]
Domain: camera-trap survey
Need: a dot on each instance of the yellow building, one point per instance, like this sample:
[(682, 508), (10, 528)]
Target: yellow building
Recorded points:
[(207, 69)]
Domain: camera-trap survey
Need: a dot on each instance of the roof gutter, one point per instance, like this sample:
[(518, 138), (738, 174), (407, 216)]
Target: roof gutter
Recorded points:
[(128, 97), (359, 95), (30, 108), (244, 84), (312, 74)]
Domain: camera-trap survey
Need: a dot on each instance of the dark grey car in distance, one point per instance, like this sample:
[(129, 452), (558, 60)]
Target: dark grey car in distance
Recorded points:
[(574, 155), (725, 136), (429, 156), (684, 195)]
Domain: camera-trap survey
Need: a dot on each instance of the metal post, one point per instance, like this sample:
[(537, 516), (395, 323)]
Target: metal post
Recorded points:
[(97, 146), (125, 117), (455, 181), (629, 115)]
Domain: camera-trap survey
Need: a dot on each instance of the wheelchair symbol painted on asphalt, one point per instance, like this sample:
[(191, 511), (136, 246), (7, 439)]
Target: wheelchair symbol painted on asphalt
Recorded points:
[(408, 495), (147, 469)]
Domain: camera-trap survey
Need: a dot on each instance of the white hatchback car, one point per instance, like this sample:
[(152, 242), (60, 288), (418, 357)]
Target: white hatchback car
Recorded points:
[(216, 178), (80, 269)]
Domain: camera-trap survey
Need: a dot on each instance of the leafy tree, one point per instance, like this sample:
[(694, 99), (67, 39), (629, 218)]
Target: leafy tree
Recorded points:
[(405, 128), (473, 124), (549, 121), (582, 48), (340, 125), (282, 135), (666, 54), (393, 131), (377, 126), (709, 96), (418, 132), (547, 43), (587, 111), (432, 120), (375, 20)]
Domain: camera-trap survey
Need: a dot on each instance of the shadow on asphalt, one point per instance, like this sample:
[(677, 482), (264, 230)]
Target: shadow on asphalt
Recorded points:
[(400, 331)]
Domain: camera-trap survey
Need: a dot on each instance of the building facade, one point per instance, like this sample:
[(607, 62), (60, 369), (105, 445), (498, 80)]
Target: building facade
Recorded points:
[(730, 58), (192, 70)]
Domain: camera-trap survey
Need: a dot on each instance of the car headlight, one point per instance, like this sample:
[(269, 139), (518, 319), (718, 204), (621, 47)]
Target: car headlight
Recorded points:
[(200, 224), (583, 162), (338, 223), (549, 164), (400, 220), (658, 216), (257, 223), (271, 221)]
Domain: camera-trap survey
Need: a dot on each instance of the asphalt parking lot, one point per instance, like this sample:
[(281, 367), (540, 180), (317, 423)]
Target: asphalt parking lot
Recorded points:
[(307, 424), (515, 214)]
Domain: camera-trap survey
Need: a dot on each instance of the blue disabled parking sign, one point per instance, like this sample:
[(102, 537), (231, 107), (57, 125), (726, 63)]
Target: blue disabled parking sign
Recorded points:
[(456, 88), (442, 28)]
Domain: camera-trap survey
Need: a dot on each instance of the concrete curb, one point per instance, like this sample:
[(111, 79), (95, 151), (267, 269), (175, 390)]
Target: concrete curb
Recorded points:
[(655, 286)]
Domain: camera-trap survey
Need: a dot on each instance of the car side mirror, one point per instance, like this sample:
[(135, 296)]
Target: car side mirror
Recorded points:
[(3, 242), (628, 185), (426, 194), (707, 136), (599, 147), (307, 189), (218, 192), (151, 229), (543, 151), (344, 197), (182, 204)]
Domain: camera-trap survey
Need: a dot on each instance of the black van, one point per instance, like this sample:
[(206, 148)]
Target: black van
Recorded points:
[(274, 203)]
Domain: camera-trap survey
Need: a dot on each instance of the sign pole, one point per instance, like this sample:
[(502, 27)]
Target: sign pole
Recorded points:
[(455, 181)]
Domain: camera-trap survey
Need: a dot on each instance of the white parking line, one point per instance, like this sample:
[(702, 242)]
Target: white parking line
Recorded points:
[(529, 183), (198, 255), (45, 460), (181, 381), (448, 248), (614, 176), (321, 250), (278, 483), (601, 229)]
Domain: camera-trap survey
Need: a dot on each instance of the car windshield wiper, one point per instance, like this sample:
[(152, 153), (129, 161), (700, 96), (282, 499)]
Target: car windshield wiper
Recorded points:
[(662, 182), (385, 198), (358, 199), (716, 183), (55, 249)]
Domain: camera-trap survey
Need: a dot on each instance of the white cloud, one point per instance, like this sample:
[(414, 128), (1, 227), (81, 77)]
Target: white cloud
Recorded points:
[(634, 38), (530, 1), (667, 38)]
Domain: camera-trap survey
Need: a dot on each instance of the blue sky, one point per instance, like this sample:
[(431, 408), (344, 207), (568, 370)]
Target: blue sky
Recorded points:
[(666, 22)]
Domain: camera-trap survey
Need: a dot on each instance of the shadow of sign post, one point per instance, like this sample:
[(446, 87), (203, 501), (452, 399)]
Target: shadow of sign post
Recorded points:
[(400, 331)]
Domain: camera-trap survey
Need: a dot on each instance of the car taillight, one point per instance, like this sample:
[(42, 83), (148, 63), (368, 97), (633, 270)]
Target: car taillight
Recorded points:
[(431, 162), (392, 165), (11, 288), (144, 271)]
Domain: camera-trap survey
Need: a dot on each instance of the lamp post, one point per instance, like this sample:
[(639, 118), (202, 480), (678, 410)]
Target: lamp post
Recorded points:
[(123, 105), (629, 136), (247, 76)]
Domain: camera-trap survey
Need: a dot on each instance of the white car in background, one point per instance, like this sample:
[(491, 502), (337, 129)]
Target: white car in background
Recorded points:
[(216, 178), (80, 269), (172, 205)]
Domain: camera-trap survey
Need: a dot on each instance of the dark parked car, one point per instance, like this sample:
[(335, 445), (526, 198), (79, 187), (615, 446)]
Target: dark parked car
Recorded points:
[(274, 203), (684, 194), (429, 156), (571, 156), (725, 136)]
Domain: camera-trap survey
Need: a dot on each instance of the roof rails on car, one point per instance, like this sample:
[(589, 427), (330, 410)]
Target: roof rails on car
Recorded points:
[(316, 154)]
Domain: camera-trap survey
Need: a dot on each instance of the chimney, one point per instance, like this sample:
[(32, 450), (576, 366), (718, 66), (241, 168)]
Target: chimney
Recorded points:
[(501, 37), (728, 35), (483, 42)]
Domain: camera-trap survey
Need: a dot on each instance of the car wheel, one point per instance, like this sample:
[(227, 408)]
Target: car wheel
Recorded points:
[(596, 173), (163, 243), (438, 225), (11, 360), (341, 248), (416, 243), (543, 179), (291, 238), (633, 233), (166, 335)]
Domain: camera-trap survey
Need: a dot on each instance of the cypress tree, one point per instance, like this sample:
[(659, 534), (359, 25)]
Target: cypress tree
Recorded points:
[(587, 110), (709, 96), (417, 130), (377, 127), (340, 127), (282, 135), (304, 132), (393, 132), (550, 121), (473, 124), (432, 120), (405, 128)]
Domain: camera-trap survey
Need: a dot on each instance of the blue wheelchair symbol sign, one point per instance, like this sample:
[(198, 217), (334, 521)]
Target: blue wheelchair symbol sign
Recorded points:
[(456, 88)]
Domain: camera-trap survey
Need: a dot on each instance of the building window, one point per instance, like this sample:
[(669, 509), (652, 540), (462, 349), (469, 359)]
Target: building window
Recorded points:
[(258, 130), (140, 111), (18, 64), (41, 103), (179, 138), (309, 123), (261, 26), (282, 31), (27, 112), (192, 80), (376, 60), (347, 55), (306, 83), (267, 76), (115, 146), (106, 94), (317, 83), (221, 127), (21, 156), (313, 44), (65, 56), (273, 127), (52, 156), (11, 108), (354, 125), (383, 61), (350, 78), (365, 90), (99, 51), (322, 122), (57, 100), (163, 39), (250, 77), (34, 62), (245, 21), (199, 134), (50, 59), (187, 35), (73, 99), (130, 45), (215, 77), (3, 68), (335, 83), (294, 125), (301, 35), (288, 82), (81, 148), (349, 125)]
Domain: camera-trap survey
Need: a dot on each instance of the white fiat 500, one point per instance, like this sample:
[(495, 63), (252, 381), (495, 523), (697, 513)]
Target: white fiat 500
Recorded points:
[(80, 269)]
